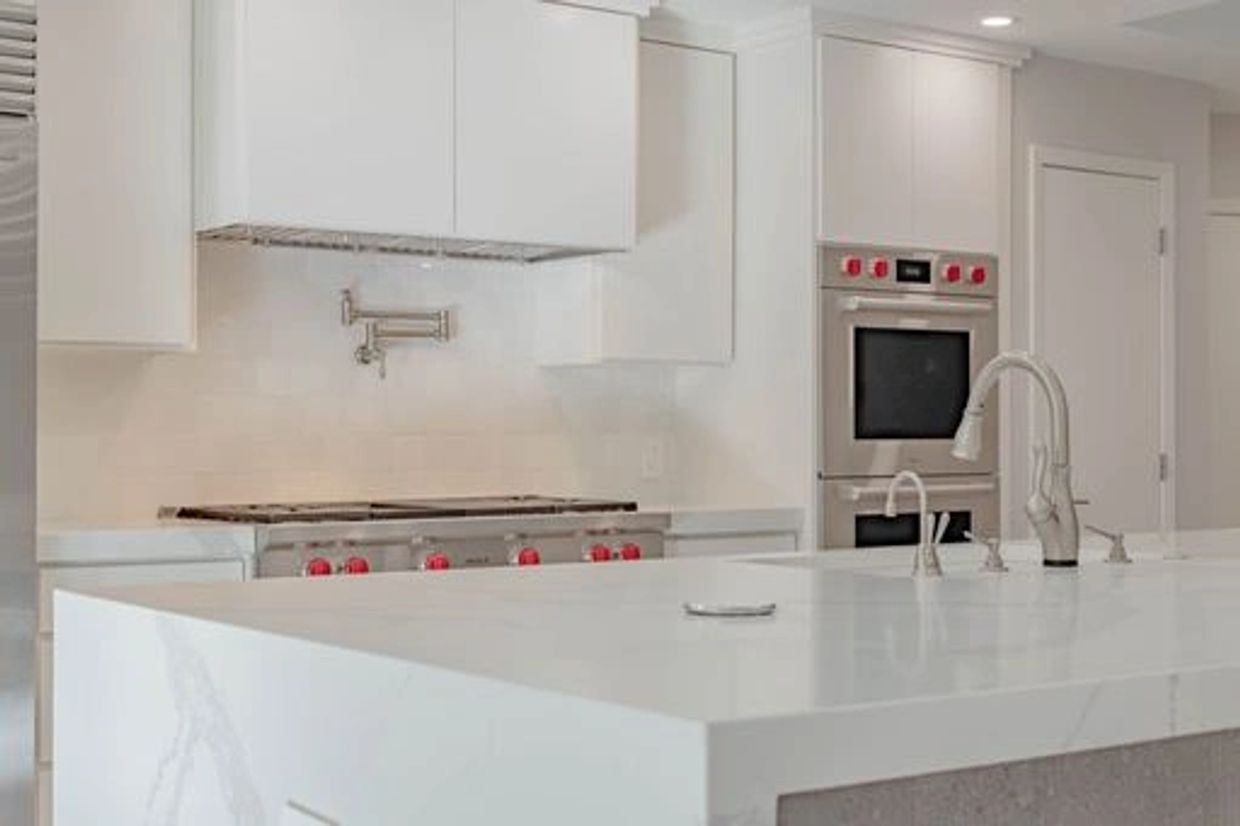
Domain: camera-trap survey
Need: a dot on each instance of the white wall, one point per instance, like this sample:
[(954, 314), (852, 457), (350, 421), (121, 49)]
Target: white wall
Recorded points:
[(1119, 112), (745, 433), (273, 407), (1225, 156)]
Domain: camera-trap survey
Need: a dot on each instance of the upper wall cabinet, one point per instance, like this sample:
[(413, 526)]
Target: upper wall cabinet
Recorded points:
[(326, 114), (116, 235), (909, 147), (483, 120), (670, 298), (546, 124)]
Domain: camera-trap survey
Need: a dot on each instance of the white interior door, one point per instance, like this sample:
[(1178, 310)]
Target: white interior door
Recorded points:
[(1224, 367), (1098, 318)]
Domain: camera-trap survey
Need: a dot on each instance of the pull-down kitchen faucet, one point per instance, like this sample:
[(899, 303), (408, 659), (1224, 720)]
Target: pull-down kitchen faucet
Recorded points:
[(1051, 508)]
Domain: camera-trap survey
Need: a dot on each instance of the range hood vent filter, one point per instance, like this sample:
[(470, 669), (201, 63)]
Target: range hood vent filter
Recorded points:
[(393, 244)]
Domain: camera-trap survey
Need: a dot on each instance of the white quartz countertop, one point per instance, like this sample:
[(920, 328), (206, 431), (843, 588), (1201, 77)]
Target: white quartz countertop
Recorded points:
[(864, 673)]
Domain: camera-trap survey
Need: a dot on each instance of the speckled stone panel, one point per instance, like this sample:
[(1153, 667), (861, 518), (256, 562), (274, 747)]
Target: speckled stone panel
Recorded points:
[(1188, 781)]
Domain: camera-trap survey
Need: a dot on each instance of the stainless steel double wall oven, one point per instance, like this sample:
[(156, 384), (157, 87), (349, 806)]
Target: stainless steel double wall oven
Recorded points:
[(904, 333)]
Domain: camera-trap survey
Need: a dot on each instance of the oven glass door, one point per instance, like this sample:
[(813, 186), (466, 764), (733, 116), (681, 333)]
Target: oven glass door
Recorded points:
[(909, 384), (896, 376)]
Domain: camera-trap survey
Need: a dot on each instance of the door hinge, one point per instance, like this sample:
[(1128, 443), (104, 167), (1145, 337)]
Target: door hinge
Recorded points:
[(1162, 240), (1164, 467)]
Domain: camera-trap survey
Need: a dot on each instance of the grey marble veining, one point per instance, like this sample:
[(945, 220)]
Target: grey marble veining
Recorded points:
[(1188, 781)]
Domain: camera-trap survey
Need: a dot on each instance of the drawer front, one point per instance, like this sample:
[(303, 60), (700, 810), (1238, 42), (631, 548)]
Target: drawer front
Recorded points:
[(109, 576)]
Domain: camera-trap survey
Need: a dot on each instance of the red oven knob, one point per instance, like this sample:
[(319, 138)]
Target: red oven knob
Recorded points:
[(599, 553), (317, 567), (952, 273), (631, 552), (880, 267), (355, 565), (851, 266), (436, 562), (978, 275), (528, 556)]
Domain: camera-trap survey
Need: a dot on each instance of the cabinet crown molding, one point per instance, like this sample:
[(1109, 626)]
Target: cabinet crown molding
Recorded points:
[(807, 21)]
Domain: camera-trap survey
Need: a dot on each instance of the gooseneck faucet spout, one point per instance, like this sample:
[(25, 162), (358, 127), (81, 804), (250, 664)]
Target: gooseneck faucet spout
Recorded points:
[(926, 557), (1050, 508)]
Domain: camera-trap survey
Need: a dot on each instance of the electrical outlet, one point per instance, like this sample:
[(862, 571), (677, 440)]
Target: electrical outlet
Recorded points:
[(652, 459)]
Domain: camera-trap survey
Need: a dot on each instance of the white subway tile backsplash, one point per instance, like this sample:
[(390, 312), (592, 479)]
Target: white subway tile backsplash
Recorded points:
[(272, 406)]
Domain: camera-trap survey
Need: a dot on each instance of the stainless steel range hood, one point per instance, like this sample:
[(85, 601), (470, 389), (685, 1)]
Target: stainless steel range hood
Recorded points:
[(394, 244)]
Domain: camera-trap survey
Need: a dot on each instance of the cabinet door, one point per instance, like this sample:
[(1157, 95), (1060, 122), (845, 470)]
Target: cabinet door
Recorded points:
[(865, 142), (348, 114), (546, 124), (956, 155), (116, 234), (670, 299)]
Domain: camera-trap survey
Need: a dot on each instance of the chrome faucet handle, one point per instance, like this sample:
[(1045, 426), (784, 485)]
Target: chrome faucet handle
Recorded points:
[(1118, 554), (931, 566), (1040, 502), (994, 559)]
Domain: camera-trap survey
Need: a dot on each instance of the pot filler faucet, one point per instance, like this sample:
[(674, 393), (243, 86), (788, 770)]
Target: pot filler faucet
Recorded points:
[(1050, 508)]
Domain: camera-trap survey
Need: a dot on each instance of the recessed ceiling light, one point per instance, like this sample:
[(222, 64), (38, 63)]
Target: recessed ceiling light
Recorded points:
[(998, 21)]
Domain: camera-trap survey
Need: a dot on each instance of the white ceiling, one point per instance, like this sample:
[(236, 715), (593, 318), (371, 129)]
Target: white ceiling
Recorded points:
[(1194, 39)]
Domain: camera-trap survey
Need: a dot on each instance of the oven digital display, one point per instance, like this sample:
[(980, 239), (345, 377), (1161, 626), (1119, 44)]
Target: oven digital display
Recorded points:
[(909, 271), (879, 531), (909, 384)]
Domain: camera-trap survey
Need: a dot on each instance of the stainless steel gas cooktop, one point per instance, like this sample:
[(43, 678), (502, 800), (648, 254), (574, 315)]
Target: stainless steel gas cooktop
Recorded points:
[(447, 508)]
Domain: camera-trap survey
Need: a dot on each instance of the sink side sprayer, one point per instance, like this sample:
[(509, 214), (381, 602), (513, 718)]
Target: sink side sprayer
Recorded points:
[(1050, 508)]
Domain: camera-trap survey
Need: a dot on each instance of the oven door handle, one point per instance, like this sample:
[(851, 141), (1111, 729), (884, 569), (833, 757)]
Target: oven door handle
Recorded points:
[(936, 306), (857, 493)]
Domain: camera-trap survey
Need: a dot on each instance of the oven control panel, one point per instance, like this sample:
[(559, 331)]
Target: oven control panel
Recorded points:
[(898, 269)]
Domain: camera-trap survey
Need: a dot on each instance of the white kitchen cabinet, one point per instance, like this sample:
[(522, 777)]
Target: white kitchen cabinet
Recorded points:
[(865, 142), (546, 124), (670, 298), (475, 120), (326, 114), (956, 153), (909, 147), (116, 234)]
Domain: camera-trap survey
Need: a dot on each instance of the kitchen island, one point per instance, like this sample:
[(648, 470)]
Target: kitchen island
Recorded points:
[(583, 694)]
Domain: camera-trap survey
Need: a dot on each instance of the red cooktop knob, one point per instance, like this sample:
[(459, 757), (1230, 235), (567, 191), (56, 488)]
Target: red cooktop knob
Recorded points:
[(631, 552), (437, 562), (529, 556), (952, 273), (978, 275), (880, 267), (355, 565), (317, 567), (851, 266), (599, 553)]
